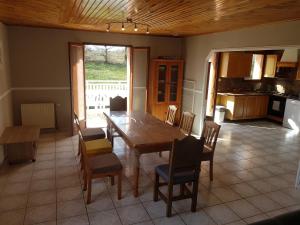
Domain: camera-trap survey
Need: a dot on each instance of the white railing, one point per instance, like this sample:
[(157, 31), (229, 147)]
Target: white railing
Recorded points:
[(98, 92)]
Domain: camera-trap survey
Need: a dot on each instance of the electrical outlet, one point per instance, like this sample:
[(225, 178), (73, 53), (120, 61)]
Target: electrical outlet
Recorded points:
[(297, 184)]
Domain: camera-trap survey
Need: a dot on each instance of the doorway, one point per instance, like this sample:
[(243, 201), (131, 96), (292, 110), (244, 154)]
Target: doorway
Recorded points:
[(98, 72), (107, 75)]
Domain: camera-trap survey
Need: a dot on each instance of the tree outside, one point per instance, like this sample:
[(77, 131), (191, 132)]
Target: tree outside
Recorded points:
[(105, 62)]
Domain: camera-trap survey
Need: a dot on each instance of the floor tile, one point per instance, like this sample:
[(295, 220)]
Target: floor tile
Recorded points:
[(221, 214), (40, 214), (76, 220), (41, 198), (263, 203), (16, 188), (282, 198), (14, 217), (133, 214), (71, 193), (174, 220), (243, 208), (13, 202), (197, 218), (244, 190), (109, 217), (70, 208), (42, 185), (225, 194)]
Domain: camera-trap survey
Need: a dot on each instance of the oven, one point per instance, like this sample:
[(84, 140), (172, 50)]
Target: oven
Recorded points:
[(276, 106)]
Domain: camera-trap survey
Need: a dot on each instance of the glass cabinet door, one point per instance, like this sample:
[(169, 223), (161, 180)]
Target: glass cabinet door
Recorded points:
[(174, 83), (161, 85)]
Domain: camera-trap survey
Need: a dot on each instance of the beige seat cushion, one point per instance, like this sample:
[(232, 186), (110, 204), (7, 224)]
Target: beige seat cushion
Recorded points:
[(105, 163)]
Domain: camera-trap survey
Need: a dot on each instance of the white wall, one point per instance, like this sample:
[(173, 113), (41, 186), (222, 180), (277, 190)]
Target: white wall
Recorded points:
[(5, 91), (197, 48)]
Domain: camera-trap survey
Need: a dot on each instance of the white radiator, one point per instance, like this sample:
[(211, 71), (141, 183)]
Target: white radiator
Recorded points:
[(41, 115)]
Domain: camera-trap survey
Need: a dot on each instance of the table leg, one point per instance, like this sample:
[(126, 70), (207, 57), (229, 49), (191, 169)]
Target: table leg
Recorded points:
[(136, 175)]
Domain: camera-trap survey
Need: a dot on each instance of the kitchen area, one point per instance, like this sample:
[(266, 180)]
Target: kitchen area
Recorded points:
[(246, 86)]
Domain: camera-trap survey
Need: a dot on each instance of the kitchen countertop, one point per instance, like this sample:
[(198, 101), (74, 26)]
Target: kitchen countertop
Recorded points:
[(242, 93), (253, 93)]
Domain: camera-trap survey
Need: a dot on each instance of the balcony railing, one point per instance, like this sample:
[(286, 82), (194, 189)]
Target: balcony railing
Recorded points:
[(98, 92)]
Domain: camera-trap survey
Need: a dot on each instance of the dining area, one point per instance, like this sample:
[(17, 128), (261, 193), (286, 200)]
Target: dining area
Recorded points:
[(143, 134)]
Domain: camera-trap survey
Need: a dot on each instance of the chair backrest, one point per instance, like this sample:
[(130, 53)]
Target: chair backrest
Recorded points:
[(186, 122), (118, 103), (171, 115), (83, 153), (185, 155), (80, 124), (210, 133)]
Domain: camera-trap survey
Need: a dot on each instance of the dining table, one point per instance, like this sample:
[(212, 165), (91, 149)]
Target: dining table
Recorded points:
[(143, 133)]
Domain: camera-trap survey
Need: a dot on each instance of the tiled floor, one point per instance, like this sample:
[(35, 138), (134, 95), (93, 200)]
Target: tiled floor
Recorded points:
[(254, 174)]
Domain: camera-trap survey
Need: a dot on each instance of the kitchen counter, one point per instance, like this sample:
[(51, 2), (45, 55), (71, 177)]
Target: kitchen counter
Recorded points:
[(242, 93)]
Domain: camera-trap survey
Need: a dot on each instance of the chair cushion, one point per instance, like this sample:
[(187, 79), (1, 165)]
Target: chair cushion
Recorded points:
[(89, 134), (105, 163), (99, 146), (180, 177)]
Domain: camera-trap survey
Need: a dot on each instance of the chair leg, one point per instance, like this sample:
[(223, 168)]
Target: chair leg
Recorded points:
[(160, 154), (156, 183), (84, 180), (89, 193), (112, 180), (194, 196), (169, 200), (120, 185), (211, 169)]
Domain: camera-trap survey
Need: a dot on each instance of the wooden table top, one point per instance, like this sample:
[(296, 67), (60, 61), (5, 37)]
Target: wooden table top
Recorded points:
[(142, 130), (20, 134)]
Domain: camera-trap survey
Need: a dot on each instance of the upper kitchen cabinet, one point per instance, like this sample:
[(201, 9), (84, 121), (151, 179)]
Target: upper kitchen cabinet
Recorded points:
[(270, 66), (235, 64)]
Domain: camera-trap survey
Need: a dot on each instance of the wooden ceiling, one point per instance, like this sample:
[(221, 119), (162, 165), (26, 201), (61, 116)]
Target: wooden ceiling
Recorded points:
[(165, 17)]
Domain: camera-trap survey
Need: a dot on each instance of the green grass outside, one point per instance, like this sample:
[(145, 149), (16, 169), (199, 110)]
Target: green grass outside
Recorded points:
[(105, 71)]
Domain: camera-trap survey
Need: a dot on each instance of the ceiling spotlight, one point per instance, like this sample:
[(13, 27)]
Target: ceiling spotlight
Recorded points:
[(135, 27), (147, 31), (123, 28), (108, 28)]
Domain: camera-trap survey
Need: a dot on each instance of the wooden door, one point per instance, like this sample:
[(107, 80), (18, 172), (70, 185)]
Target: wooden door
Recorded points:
[(239, 104), (270, 66), (76, 52), (250, 107), (262, 105), (140, 68)]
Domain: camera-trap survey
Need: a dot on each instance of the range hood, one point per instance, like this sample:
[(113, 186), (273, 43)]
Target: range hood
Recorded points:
[(289, 58)]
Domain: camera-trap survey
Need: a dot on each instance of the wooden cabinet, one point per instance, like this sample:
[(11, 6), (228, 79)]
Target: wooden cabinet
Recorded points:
[(235, 64), (298, 71), (241, 107), (165, 87), (270, 66)]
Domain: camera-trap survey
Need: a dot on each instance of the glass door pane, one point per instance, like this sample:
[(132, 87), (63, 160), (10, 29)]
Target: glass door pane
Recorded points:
[(162, 80), (174, 83)]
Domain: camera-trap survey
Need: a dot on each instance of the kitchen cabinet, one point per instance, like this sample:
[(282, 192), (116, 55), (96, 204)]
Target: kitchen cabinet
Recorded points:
[(241, 107), (165, 87), (298, 72), (270, 66), (235, 64)]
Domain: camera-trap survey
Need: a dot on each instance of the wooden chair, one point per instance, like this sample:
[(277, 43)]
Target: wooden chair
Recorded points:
[(99, 166), (171, 115), (116, 104), (95, 143), (210, 133), (184, 167), (89, 134), (186, 122)]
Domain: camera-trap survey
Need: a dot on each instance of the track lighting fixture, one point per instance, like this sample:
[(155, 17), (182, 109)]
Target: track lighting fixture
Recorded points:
[(129, 23)]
